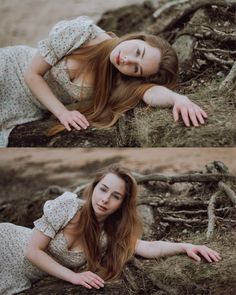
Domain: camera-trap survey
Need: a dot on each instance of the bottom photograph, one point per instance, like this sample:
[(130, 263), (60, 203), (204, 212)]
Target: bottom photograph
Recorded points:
[(118, 221)]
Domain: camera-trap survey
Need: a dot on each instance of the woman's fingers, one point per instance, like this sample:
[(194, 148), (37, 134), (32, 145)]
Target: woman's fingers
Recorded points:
[(191, 113), (75, 125), (206, 256), (175, 114), (82, 118), (74, 119), (86, 285), (96, 284), (67, 126), (184, 115), (93, 280), (193, 117), (194, 256), (97, 277), (210, 255)]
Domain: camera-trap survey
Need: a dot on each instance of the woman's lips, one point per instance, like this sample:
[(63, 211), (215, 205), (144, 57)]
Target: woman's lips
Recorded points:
[(118, 59), (101, 207)]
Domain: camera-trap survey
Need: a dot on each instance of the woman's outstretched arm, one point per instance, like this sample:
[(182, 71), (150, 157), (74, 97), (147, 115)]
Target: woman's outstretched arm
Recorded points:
[(164, 97), (40, 89), (36, 253), (156, 249)]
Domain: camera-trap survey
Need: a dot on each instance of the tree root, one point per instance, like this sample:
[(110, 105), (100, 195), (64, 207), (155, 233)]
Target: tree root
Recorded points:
[(184, 220), (173, 11), (205, 178), (228, 191), (206, 32), (229, 81), (212, 57), (197, 212), (223, 187), (216, 50)]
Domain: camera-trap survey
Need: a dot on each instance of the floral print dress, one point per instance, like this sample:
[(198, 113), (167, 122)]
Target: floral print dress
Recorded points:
[(17, 103), (17, 273)]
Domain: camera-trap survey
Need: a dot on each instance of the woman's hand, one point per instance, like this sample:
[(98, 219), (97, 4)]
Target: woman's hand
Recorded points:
[(193, 251), (87, 279), (74, 119), (190, 112)]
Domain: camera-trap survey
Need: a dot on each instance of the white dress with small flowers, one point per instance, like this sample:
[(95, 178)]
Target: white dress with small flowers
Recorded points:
[(17, 273), (17, 103)]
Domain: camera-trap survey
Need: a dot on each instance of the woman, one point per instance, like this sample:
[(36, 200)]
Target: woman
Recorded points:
[(102, 231), (97, 75)]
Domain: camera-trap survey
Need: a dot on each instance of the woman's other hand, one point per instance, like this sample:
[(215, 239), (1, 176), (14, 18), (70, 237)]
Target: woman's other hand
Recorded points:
[(73, 119), (87, 279), (195, 251), (189, 111)]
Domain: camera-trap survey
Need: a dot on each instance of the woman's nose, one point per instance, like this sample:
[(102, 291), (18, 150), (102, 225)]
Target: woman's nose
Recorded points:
[(105, 198), (128, 60)]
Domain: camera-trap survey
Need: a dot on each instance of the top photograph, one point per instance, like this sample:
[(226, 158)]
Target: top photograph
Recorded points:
[(121, 73)]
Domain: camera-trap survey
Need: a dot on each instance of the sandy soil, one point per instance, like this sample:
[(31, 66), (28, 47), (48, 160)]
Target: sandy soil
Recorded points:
[(27, 21)]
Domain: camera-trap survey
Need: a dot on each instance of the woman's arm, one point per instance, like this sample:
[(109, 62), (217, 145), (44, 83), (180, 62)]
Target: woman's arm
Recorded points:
[(35, 252), (164, 97), (40, 89), (156, 249)]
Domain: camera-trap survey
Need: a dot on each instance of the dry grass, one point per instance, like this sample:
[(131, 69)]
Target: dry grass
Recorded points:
[(156, 127), (185, 276)]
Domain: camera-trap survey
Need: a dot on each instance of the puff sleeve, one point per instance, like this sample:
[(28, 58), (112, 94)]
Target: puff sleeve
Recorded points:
[(57, 213), (66, 36)]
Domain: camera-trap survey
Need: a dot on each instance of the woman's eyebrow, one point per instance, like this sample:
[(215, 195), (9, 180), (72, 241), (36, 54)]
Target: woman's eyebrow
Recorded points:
[(141, 70), (143, 52)]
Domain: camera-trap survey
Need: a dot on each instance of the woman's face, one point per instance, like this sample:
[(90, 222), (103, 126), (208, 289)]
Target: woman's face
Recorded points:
[(136, 58), (108, 196)]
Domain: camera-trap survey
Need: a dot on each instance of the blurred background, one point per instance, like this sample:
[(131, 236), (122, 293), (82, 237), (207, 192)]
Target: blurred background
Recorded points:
[(28, 21)]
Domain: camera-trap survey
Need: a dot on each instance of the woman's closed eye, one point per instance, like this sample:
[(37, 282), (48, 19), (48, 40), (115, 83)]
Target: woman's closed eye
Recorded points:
[(138, 52), (136, 68), (103, 189), (117, 197)]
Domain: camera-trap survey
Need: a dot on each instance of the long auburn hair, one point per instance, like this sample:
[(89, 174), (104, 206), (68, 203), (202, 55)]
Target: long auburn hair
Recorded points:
[(115, 93), (122, 228)]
